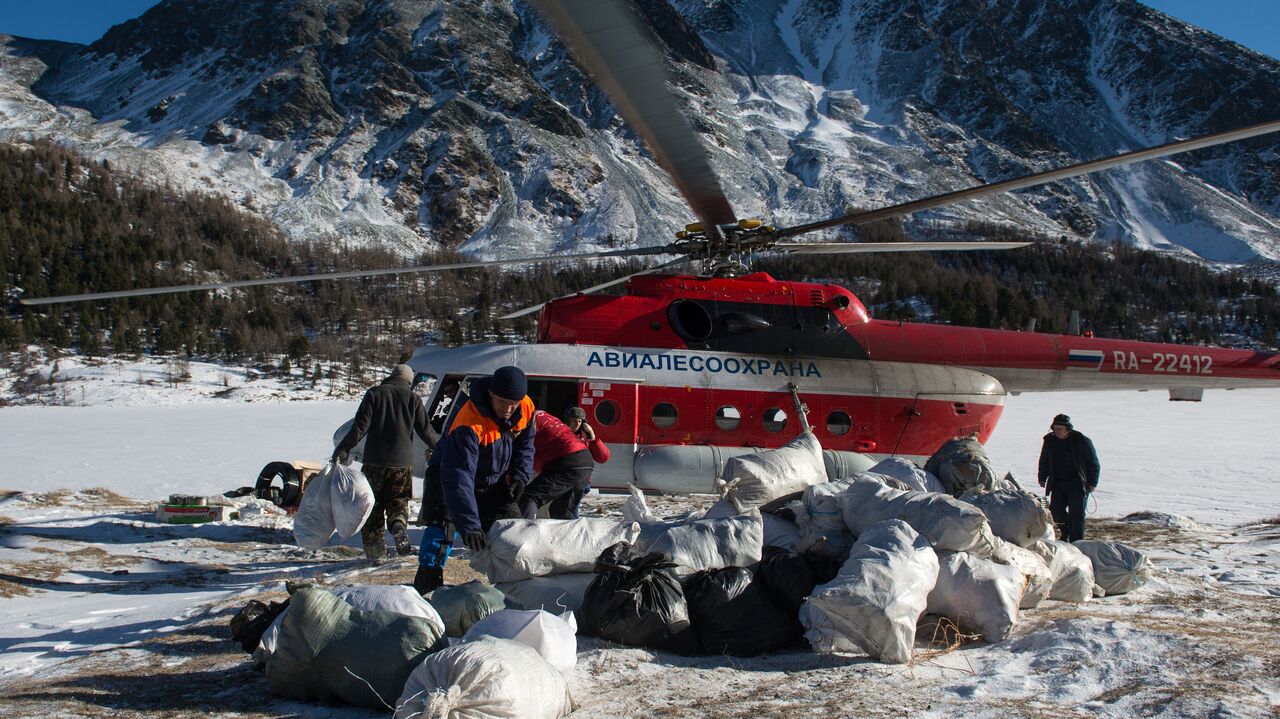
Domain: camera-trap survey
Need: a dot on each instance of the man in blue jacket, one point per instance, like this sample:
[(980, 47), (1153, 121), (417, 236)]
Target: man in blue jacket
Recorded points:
[(478, 471)]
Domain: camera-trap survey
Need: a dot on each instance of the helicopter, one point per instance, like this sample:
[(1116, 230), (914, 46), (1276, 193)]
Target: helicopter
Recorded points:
[(685, 370)]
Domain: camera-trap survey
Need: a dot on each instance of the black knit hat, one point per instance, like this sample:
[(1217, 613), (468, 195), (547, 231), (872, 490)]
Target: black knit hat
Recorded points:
[(575, 413), (509, 383), (1063, 420)]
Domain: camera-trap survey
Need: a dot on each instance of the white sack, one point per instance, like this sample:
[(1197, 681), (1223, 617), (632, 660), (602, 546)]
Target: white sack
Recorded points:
[(523, 548), (873, 604), (962, 464), (555, 594), (313, 524), (351, 499), (978, 594), (1014, 515), (722, 509), (1072, 571), (553, 637), (635, 509), (713, 543), (754, 480), (1038, 580), (822, 524), (485, 679), (396, 598), (946, 522), (1117, 568), (906, 471)]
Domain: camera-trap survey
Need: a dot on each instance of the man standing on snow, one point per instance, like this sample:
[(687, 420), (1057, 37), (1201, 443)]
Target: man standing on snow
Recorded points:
[(478, 471), (563, 460), (389, 415), (1069, 470)]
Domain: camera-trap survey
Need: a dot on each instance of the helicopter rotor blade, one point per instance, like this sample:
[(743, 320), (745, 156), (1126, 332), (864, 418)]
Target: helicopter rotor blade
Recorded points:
[(621, 56), (594, 288), (1039, 178), (142, 292), (845, 248)]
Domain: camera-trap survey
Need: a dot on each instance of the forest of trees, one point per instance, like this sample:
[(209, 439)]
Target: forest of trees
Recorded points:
[(69, 225)]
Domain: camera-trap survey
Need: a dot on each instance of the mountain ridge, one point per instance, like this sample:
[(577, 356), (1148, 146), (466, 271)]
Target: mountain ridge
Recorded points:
[(420, 126)]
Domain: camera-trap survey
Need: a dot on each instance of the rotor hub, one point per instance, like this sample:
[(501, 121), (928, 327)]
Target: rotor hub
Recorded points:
[(726, 245)]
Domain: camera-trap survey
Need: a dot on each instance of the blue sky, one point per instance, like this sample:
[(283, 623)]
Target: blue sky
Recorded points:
[(1252, 23)]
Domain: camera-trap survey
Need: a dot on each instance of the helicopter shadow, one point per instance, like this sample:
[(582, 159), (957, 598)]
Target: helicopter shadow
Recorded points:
[(120, 529), (226, 690)]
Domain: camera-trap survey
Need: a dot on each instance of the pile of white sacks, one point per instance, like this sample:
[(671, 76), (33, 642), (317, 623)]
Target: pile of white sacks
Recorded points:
[(907, 546)]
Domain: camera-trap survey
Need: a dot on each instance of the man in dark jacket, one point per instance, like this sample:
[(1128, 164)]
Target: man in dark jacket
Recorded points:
[(389, 415), (478, 471), (1069, 469)]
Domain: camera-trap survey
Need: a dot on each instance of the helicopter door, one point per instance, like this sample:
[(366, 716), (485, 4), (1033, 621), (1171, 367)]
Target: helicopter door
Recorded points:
[(553, 395)]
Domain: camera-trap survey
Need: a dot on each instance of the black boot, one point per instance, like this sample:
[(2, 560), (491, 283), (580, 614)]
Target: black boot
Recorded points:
[(400, 534), (377, 553), (428, 579)]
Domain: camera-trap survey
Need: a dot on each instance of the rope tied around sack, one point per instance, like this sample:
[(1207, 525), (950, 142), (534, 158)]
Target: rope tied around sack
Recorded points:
[(442, 703)]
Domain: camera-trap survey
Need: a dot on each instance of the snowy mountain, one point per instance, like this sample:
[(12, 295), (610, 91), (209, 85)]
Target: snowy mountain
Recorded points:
[(420, 124)]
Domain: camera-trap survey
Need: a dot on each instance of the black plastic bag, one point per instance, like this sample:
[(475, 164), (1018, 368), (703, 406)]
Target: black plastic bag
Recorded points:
[(778, 507), (733, 614), (636, 601), (249, 624), (790, 577)]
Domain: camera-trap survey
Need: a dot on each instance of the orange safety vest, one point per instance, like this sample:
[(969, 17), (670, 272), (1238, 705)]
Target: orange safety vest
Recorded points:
[(486, 429)]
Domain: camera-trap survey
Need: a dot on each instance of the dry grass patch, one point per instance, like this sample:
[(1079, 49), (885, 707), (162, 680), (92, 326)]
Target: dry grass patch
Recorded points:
[(103, 497), (56, 498), (196, 671), (20, 579)]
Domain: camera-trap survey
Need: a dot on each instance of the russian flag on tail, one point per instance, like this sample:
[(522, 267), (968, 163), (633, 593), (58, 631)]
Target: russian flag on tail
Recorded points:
[(1084, 359)]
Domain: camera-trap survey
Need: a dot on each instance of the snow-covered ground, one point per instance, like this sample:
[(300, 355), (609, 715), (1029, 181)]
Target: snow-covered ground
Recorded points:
[(103, 611)]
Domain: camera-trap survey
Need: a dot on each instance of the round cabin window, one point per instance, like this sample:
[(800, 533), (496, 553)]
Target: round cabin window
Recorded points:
[(775, 419), (839, 423), (728, 417), (664, 415), (607, 412)]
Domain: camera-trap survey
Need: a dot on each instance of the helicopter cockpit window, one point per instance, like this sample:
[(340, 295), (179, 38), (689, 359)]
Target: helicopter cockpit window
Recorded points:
[(438, 412), (775, 419), (607, 412), (664, 415), (727, 418), (839, 423)]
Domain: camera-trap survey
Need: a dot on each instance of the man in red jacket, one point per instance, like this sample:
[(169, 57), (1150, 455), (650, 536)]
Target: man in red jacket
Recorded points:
[(563, 460)]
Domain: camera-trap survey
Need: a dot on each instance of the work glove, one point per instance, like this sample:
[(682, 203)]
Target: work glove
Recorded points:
[(341, 457), (475, 540), (588, 433), (1090, 487)]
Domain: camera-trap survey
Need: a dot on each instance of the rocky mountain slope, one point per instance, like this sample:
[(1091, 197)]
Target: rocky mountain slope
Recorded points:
[(418, 124)]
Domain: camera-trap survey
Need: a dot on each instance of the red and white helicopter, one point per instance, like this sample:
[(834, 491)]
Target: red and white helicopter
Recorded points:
[(684, 371)]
